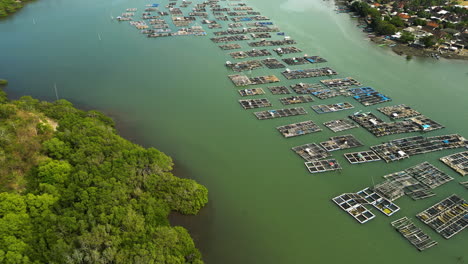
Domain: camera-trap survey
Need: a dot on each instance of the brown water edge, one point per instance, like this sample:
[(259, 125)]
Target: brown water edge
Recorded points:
[(127, 128)]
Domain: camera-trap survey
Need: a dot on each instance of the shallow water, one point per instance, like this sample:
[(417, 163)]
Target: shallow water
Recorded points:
[(173, 94)]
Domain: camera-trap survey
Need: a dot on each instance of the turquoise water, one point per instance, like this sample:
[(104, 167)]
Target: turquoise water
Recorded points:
[(173, 94)]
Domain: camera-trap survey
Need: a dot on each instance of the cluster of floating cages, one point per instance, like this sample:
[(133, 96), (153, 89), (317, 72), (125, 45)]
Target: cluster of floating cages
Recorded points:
[(253, 91), (244, 65), (380, 203), (235, 31), (298, 129), (458, 162), (182, 21), (306, 88), (279, 90), (398, 111), (229, 46), (308, 73), (265, 43), (416, 182), (322, 109), (341, 142), (304, 60), (230, 38), (413, 234), (270, 114), (328, 93), (403, 148), (260, 35), (287, 50), (296, 99), (273, 63), (340, 82), (252, 18), (255, 103), (362, 157), (250, 53), (317, 166), (368, 96), (311, 152), (380, 128), (448, 217), (259, 24), (243, 80), (352, 203), (340, 125)]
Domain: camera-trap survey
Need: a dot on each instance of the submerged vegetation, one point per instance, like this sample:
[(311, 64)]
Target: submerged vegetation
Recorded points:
[(73, 191), (3, 82)]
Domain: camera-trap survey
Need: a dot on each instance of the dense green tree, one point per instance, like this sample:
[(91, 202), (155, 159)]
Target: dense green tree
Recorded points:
[(406, 37), (428, 41)]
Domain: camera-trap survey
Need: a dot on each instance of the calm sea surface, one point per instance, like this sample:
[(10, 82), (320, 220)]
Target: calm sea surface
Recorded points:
[(173, 94)]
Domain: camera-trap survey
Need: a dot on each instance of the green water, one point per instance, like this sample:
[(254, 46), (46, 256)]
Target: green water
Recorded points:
[(173, 94)]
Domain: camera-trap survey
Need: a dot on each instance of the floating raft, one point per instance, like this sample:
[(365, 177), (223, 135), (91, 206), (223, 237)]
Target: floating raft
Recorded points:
[(340, 83), (458, 162), (383, 205), (328, 93), (254, 103), (265, 43), (398, 111), (250, 53), (230, 38), (352, 203), (306, 88), (322, 165), (273, 63), (243, 80), (260, 35), (252, 30), (368, 96), (465, 184), (230, 46), (362, 157), (380, 128), (253, 91), (311, 152), (448, 217), (308, 73), (403, 148), (416, 182), (296, 99), (279, 90), (322, 109), (270, 114), (304, 60), (244, 65), (298, 129), (287, 50), (413, 234), (341, 142), (340, 125)]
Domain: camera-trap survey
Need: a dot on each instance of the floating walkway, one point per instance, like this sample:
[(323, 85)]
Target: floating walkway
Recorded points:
[(405, 147), (254, 103), (380, 203), (362, 157), (244, 65), (341, 142), (306, 88), (413, 234), (465, 184), (340, 125), (352, 203), (265, 43), (279, 90), (308, 73), (340, 83), (287, 50), (296, 99), (368, 96), (250, 92), (230, 38), (243, 80), (398, 111), (298, 129), (270, 114), (322, 109), (448, 217), (250, 53), (230, 46), (273, 63), (329, 93), (458, 162), (318, 166)]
